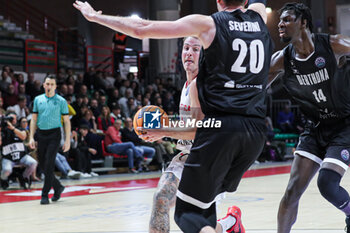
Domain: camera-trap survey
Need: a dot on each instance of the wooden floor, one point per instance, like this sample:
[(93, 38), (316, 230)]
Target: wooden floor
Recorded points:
[(115, 204)]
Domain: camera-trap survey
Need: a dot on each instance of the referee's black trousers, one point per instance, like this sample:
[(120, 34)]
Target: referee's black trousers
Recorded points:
[(48, 146)]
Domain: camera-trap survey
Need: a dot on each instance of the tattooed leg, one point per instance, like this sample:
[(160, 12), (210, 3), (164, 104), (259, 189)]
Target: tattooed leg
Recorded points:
[(163, 200)]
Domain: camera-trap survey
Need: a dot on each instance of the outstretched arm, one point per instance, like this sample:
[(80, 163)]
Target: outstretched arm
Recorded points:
[(260, 7), (340, 45), (276, 67), (192, 25)]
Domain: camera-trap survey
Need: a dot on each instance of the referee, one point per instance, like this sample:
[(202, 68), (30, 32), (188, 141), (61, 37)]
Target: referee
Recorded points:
[(47, 111)]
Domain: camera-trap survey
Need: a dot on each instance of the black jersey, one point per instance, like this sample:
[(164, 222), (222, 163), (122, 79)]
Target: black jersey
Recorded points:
[(12, 147), (233, 75), (317, 83)]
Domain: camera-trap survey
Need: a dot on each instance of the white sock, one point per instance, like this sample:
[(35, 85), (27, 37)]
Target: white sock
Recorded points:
[(227, 223)]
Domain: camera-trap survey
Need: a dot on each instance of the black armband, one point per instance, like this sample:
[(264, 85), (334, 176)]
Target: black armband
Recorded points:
[(257, 1)]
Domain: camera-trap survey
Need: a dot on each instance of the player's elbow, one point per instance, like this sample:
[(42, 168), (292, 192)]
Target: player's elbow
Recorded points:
[(140, 33)]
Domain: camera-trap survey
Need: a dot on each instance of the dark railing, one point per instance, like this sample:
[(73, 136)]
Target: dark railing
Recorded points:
[(99, 57), (36, 22)]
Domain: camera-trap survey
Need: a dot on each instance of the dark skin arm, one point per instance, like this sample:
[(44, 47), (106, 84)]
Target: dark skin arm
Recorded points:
[(276, 67)]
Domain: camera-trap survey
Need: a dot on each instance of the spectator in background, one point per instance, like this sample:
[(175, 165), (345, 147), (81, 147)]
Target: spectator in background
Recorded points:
[(145, 101), (285, 120), (118, 81), (21, 108), (117, 114), (70, 80), (123, 101), (147, 151), (10, 97), (30, 83), (113, 98), (20, 78), (15, 152), (130, 107), (14, 81), (169, 103), (105, 120), (158, 102), (83, 90), (63, 90), (89, 120), (83, 152), (89, 78), (102, 100), (138, 100), (4, 83), (64, 167), (38, 89), (2, 110), (71, 92), (78, 83), (22, 91), (124, 87), (135, 88), (94, 107), (115, 145)]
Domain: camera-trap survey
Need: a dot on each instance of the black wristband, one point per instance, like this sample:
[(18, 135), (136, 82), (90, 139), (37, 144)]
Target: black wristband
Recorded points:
[(257, 1)]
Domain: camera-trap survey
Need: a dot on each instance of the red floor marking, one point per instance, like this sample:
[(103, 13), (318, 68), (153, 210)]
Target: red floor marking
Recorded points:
[(116, 186), (267, 171)]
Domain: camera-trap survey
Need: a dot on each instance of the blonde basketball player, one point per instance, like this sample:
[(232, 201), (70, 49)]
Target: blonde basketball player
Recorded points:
[(165, 196)]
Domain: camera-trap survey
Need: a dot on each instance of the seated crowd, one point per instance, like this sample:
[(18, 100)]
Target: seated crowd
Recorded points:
[(101, 112)]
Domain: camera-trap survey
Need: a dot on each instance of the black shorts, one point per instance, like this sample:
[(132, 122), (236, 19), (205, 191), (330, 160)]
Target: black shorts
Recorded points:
[(219, 158), (326, 143)]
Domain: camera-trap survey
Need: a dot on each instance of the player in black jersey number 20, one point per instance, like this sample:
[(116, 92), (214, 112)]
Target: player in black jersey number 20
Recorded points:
[(315, 75), (231, 88)]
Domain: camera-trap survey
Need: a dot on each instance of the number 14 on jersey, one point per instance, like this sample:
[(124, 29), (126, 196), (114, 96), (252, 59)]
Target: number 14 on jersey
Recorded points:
[(319, 96)]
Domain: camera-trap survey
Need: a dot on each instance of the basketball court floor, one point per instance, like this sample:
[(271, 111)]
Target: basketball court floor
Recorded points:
[(122, 203)]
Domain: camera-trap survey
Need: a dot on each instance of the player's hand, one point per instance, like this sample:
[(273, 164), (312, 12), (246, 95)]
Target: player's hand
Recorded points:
[(151, 135), (31, 144), (66, 146), (86, 10)]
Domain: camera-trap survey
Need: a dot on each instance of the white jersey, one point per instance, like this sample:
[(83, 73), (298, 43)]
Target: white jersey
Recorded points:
[(185, 113)]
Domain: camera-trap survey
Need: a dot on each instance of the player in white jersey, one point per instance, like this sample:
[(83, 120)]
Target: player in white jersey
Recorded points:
[(165, 196)]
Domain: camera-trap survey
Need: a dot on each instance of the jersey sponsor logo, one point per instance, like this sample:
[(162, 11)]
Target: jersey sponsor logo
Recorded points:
[(345, 154), (151, 120), (244, 26), (320, 62), (313, 78), (232, 84)]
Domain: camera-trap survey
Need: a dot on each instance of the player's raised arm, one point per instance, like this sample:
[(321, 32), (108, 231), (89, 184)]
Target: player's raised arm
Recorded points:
[(340, 45), (276, 67), (258, 6), (191, 25)]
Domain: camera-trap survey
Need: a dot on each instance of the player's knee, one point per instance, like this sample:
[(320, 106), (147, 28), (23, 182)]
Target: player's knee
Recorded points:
[(190, 222), (292, 194), (5, 173), (328, 183)]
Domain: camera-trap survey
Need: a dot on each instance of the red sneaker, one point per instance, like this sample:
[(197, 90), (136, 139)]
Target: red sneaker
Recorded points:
[(238, 226)]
